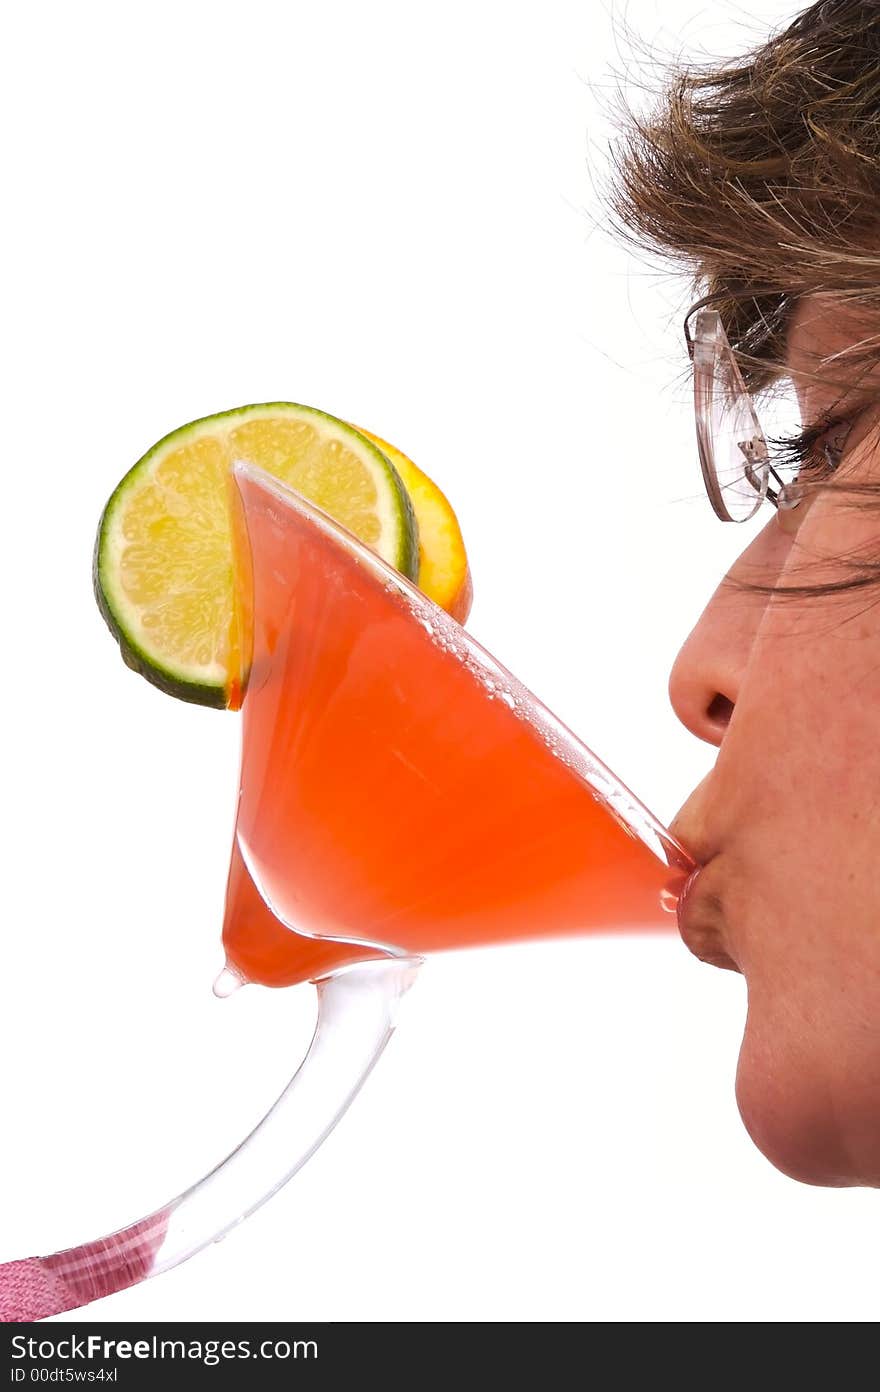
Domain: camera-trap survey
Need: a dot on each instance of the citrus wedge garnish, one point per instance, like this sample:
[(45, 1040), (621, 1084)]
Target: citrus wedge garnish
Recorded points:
[(444, 574), (163, 566)]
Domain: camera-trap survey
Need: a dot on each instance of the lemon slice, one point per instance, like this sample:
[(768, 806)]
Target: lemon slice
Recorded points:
[(163, 565), (444, 573)]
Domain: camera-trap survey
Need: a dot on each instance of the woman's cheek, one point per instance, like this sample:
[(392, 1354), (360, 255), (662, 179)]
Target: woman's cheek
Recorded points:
[(805, 907)]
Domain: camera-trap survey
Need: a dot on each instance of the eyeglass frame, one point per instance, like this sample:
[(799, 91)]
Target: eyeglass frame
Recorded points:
[(784, 498)]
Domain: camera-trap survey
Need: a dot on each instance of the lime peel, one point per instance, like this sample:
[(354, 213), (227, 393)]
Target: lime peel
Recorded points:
[(163, 562)]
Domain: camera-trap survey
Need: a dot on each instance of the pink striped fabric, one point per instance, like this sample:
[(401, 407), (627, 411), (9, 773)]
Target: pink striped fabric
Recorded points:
[(38, 1287)]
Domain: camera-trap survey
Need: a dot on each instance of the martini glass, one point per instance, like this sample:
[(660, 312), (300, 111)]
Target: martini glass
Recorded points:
[(401, 794)]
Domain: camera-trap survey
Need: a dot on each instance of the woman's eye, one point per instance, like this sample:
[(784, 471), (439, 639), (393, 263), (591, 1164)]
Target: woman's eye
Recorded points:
[(816, 452), (830, 447), (821, 461)]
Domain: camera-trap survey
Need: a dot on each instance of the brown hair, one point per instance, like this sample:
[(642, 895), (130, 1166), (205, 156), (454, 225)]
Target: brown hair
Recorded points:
[(761, 178)]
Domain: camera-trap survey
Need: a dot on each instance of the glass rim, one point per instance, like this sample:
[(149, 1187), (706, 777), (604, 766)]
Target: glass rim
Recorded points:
[(636, 819)]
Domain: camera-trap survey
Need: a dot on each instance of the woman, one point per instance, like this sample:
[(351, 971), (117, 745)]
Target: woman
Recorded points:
[(762, 177)]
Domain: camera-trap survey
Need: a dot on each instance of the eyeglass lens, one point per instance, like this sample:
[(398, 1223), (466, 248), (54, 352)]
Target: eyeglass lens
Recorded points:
[(739, 451)]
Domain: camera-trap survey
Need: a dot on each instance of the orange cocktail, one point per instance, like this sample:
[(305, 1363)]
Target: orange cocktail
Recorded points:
[(401, 793)]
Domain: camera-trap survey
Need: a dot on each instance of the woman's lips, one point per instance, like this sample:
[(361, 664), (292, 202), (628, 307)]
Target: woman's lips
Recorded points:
[(685, 894), (701, 922)]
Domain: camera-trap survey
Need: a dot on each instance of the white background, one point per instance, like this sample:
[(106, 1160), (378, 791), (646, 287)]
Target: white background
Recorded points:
[(387, 211)]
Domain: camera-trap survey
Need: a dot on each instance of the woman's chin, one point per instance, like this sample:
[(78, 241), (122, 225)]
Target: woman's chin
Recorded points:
[(805, 1116)]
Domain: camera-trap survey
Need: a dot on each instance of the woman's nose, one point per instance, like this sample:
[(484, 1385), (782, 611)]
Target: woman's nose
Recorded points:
[(704, 681), (703, 688), (706, 676)]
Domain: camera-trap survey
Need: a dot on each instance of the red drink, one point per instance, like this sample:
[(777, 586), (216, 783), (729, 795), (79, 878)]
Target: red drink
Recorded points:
[(400, 791)]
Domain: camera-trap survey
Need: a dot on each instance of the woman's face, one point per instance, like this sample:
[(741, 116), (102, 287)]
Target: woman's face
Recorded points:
[(788, 820)]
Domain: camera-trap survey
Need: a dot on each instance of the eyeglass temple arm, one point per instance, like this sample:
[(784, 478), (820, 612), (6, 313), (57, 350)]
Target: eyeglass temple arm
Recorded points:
[(704, 303)]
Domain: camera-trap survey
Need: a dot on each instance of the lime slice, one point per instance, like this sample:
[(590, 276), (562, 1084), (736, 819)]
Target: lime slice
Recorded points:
[(163, 567)]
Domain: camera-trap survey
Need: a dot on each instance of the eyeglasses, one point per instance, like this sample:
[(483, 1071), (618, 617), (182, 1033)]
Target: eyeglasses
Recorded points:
[(733, 448)]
